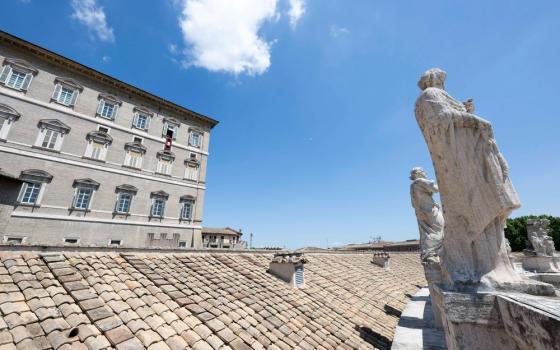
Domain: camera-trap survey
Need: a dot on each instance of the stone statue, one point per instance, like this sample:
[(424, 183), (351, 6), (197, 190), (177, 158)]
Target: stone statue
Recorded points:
[(475, 190), (428, 214), (537, 232), (508, 246)]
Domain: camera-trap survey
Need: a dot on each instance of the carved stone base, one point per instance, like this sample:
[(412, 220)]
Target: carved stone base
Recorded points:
[(541, 264), (496, 321), (432, 272), (552, 278)]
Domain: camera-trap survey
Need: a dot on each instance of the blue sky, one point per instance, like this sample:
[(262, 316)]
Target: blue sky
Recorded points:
[(316, 97)]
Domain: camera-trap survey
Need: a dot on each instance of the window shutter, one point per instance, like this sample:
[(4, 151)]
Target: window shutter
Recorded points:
[(148, 119), (164, 131), (100, 107), (74, 97), (5, 72), (115, 111), (135, 120), (27, 81), (56, 92)]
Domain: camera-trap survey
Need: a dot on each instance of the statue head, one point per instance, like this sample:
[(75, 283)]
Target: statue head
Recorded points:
[(417, 173), (434, 77)]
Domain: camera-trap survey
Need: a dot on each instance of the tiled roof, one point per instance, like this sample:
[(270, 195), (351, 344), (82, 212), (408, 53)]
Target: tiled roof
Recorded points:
[(201, 301)]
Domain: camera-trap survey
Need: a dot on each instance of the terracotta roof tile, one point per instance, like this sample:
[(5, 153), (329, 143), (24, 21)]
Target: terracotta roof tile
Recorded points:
[(200, 300)]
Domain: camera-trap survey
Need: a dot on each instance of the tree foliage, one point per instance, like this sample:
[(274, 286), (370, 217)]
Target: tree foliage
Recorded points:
[(516, 230)]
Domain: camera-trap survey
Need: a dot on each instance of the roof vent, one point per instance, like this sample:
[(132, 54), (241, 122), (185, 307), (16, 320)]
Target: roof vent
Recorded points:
[(381, 259), (288, 266)]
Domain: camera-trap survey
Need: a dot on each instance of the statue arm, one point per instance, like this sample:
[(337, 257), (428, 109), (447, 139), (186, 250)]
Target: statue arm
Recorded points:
[(468, 120)]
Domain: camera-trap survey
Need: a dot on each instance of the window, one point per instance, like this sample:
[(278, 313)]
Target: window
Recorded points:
[(49, 140), (187, 207), (123, 203), (98, 143), (137, 139), (195, 139), (96, 149), (192, 156), (51, 134), (158, 207), (8, 116), (186, 211), (66, 91), (107, 110), (134, 153), (14, 240), (164, 166), (108, 106), (30, 193), (17, 74), (16, 79), (116, 242), (103, 129), (71, 241), (192, 172), (170, 127), (65, 96), (125, 193), (32, 186), (84, 193), (165, 162), (158, 204), (134, 159), (182, 244), (141, 121), (83, 197)]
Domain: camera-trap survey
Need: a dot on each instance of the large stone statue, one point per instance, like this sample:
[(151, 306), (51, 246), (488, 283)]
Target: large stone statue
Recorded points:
[(537, 232), (476, 193), (428, 214)]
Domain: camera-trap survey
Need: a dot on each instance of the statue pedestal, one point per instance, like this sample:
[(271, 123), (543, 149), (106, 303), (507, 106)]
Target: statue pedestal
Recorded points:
[(432, 271), (498, 320), (541, 264)]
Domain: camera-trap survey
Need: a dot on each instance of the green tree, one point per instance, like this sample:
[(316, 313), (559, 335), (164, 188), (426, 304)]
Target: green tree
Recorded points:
[(516, 230)]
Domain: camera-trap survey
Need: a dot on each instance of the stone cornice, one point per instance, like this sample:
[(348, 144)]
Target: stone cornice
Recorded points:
[(105, 79)]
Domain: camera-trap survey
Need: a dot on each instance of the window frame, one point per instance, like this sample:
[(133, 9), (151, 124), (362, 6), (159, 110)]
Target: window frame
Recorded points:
[(52, 126), (142, 111), (70, 85), (8, 116), (155, 198), (101, 138), (36, 177), (19, 66), (23, 191), (134, 147), (165, 158), (192, 133), (84, 185), (185, 201), (106, 99)]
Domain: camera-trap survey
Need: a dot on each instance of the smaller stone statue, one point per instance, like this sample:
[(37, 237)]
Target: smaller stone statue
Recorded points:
[(537, 232), (428, 214), (508, 246)]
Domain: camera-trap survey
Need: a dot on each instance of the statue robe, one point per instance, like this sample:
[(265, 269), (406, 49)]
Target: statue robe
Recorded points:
[(476, 194), (428, 214)]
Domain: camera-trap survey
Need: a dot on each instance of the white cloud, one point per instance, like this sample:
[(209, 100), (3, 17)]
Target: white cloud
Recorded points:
[(93, 16), (173, 49), (337, 31), (296, 11), (223, 35), (106, 59)]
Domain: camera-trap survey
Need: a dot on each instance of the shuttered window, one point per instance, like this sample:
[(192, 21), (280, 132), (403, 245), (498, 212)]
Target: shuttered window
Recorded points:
[(186, 210), (192, 172), (164, 166), (49, 140), (134, 159), (158, 207), (141, 121), (16, 80), (123, 202), (96, 150), (66, 96)]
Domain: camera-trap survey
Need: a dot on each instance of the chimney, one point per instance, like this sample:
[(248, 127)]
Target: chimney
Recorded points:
[(381, 259), (288, 266)]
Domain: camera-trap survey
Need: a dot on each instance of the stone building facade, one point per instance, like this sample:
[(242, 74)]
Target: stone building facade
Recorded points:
[(103, 163), (222, 238)]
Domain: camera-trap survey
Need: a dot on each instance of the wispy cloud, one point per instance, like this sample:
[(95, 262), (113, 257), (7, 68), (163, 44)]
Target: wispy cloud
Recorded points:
[(296, 11), (92, 15), (337, 31), (106, 59)]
